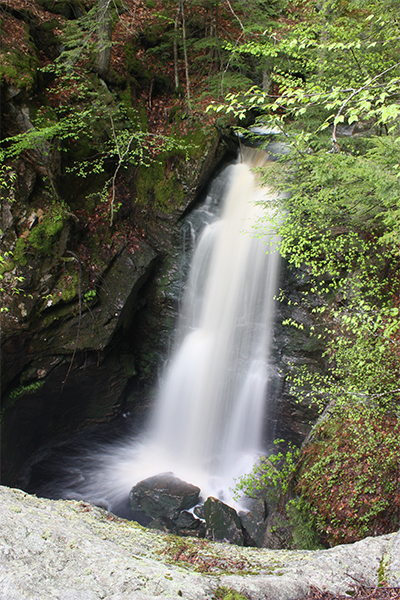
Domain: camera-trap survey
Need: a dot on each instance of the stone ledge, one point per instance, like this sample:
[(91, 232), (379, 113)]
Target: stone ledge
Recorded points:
[(72, 550)]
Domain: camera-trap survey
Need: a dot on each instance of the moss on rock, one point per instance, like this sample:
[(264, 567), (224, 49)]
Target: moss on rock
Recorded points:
[(18, 61)]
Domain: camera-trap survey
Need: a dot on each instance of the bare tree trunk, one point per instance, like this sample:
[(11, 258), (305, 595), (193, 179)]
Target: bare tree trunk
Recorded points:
[(217, 50), (176, 45), (267, 81), (326, 11), (104, 37), (182, 2)]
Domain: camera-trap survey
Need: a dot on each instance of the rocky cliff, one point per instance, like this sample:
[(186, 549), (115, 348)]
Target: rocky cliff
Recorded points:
[(69, 350), (75, 339)]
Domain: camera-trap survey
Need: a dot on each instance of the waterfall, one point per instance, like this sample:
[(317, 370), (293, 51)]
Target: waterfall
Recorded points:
[(208, 421), (209, 417)]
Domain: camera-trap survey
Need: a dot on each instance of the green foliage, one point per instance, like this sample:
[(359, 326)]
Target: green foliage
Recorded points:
[(25, 389), (219, 83), (7, 179), (18, 392), (100, 131), (333, 95), (336, 63), (270, 477), (340, 214), (89, 296), (6, 265), (303, 523)]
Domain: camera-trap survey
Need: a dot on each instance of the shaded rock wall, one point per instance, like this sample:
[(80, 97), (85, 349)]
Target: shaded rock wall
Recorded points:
[(287, 418)]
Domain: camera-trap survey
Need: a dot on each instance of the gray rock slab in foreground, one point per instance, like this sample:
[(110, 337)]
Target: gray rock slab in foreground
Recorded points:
[(66, 550)]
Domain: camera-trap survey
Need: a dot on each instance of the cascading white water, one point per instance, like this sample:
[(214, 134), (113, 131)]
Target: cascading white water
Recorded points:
[(208, 421)]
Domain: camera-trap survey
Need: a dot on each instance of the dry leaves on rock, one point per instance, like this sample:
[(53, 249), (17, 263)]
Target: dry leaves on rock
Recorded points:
[(359, 592)]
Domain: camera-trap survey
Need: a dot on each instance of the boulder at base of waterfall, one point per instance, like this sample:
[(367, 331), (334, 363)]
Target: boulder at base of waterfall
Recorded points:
[(254, 523), (187, 521), (163, 524), (163, 496), (222, 522), (189, 525)]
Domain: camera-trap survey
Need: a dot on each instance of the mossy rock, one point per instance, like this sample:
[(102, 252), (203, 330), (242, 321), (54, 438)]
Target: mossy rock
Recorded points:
[(6, 266), (222, 522), (224, 593), (61, 7), (43, 235), (20, 252), (18, 63), (157, 188)]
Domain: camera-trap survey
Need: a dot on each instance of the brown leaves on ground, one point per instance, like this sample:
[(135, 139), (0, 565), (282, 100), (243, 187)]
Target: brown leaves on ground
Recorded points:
[(31, 8), (351, 476), (14, 34), (359, 592), (202, 556)]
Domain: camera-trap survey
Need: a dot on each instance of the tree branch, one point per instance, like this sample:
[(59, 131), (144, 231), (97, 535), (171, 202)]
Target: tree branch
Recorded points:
[(234, 14), (336, 147), (79, 320)]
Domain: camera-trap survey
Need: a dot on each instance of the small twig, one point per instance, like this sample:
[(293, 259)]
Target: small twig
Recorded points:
[(370, 396), (287, 137), (359, 581), (80, 317), (176, 71), (234, 14), (151, 92), (356, 59), (121, 158)]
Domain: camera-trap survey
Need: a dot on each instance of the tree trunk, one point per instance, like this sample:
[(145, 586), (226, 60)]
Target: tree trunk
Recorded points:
[(176, 45), (267, 81), (104, 38), (182, 2)]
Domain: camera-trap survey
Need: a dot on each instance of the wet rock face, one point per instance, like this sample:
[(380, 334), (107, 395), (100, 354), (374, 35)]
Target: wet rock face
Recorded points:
[(72, 366), (162, 502), (254, 523), (61, 329), (222, 522), (163, 496), (67, 398), (291, 347)]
